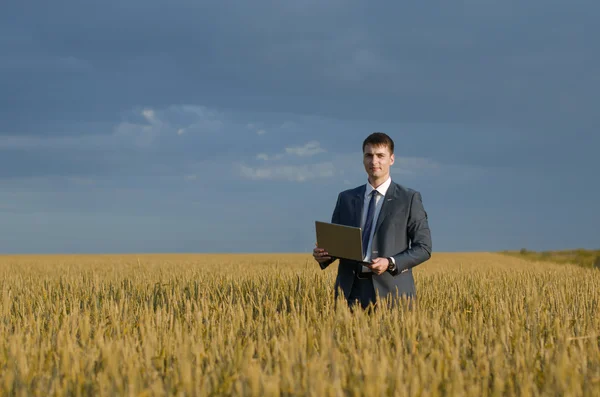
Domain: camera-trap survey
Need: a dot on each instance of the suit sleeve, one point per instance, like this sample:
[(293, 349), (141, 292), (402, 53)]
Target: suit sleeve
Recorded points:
[(419, 235), (335, 218)]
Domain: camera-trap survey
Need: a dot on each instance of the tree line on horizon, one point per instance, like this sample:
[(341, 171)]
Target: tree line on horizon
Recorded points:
[(580, 256)]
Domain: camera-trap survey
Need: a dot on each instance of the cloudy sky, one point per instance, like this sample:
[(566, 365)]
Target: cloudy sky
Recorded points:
[(231, 126)]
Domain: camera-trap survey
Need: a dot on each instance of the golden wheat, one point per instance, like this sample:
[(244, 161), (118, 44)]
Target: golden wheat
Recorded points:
[(484, 325)]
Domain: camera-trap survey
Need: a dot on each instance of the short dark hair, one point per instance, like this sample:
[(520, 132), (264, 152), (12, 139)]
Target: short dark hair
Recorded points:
[(379, 139)]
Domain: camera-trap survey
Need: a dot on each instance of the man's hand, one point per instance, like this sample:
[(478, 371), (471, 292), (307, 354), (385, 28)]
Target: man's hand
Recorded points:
[(379, 265), (320, 255)]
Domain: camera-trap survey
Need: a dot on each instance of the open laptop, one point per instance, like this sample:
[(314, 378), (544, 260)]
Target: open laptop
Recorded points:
[(340, 241)]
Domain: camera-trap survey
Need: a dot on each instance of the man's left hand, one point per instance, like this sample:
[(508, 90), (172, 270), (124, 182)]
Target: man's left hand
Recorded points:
[(379, 265)]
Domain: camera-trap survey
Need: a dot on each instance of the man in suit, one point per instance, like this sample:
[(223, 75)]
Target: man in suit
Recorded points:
[(396, 235)]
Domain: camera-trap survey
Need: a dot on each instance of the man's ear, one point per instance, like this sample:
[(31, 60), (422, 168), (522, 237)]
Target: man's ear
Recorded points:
[(392, 159)]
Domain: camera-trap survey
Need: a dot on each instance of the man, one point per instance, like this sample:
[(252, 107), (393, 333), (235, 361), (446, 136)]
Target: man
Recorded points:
[(396, 234)]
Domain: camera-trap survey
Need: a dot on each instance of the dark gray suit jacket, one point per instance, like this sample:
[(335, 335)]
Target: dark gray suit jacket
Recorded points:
[(402, 232)]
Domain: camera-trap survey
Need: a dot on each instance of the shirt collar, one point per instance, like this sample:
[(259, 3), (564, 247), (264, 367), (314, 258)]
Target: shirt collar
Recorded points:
[(382, 189)]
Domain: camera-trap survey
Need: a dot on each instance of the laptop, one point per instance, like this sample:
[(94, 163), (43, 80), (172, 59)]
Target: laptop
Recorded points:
[(340, 241)]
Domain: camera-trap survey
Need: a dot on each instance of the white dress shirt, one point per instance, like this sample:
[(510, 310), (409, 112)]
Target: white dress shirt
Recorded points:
[(381, 190)]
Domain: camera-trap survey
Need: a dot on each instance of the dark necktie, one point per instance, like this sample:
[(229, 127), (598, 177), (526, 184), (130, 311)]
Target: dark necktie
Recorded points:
[(366, 233)]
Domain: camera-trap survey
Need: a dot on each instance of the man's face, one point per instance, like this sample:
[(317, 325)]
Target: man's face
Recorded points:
[(377, 161)]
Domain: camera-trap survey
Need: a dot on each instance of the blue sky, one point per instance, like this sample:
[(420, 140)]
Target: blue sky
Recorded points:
[(183, 126)]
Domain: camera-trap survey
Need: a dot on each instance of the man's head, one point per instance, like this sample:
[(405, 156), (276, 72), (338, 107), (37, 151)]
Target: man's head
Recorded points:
[(378, 156)]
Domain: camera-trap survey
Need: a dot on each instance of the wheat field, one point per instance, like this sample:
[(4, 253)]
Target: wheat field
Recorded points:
[(267, 325)]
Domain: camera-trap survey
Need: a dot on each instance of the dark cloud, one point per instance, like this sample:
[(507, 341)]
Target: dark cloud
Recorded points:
[(510, 63), (499, 95)]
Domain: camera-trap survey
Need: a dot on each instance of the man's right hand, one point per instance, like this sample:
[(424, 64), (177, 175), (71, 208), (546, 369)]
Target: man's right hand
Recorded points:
[(321, 255)]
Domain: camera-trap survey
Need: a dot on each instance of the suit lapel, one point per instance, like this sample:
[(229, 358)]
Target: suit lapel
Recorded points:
[(357, 205), (386, 207)]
